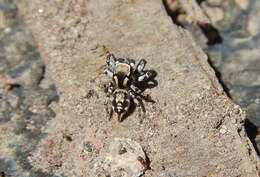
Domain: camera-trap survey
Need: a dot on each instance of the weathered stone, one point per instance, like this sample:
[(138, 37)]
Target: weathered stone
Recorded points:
[(237, 57), (190, 103), (126, 157), (20, 129), (253, 24), (215, 14)]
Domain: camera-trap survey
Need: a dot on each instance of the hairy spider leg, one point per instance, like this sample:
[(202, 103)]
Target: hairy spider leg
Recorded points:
[(132, 63), (137, 101), (144, 76), (135, 89), (110, 89), (141, 65), (111, 62)]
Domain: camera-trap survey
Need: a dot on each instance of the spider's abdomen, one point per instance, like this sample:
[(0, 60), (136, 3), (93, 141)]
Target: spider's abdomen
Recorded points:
[(121, 102)]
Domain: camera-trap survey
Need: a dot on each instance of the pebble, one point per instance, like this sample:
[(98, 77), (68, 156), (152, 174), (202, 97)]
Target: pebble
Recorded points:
[(40, 10), (223, 130), (125, 154)]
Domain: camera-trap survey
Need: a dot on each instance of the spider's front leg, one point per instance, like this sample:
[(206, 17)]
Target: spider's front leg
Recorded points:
[(131, 62), (109, 89), (145, 76), (142, 75), (140, 66), (111, 61)]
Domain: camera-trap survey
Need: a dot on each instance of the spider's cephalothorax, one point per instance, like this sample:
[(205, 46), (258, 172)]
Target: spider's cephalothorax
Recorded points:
[(124, 89)]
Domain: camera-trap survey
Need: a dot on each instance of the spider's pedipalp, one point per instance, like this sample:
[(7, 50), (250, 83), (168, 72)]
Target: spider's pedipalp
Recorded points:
[(108, 88), (109, 73)]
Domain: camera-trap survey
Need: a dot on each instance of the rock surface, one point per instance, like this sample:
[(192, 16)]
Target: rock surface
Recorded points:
[(189, 11), (232, 43), (237, 59), (193, 129), (25, 95)]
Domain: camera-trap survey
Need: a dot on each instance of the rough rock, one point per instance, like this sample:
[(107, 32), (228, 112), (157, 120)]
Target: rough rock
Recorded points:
[(181, 134), (20, 97), (237, 56), (190, 11), (232, 46)]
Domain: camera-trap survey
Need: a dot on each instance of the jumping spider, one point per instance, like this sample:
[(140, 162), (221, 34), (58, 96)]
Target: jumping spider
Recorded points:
[(125, 88)]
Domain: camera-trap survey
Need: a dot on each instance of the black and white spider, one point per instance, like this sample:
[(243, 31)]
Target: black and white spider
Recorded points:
[(125, 88)]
